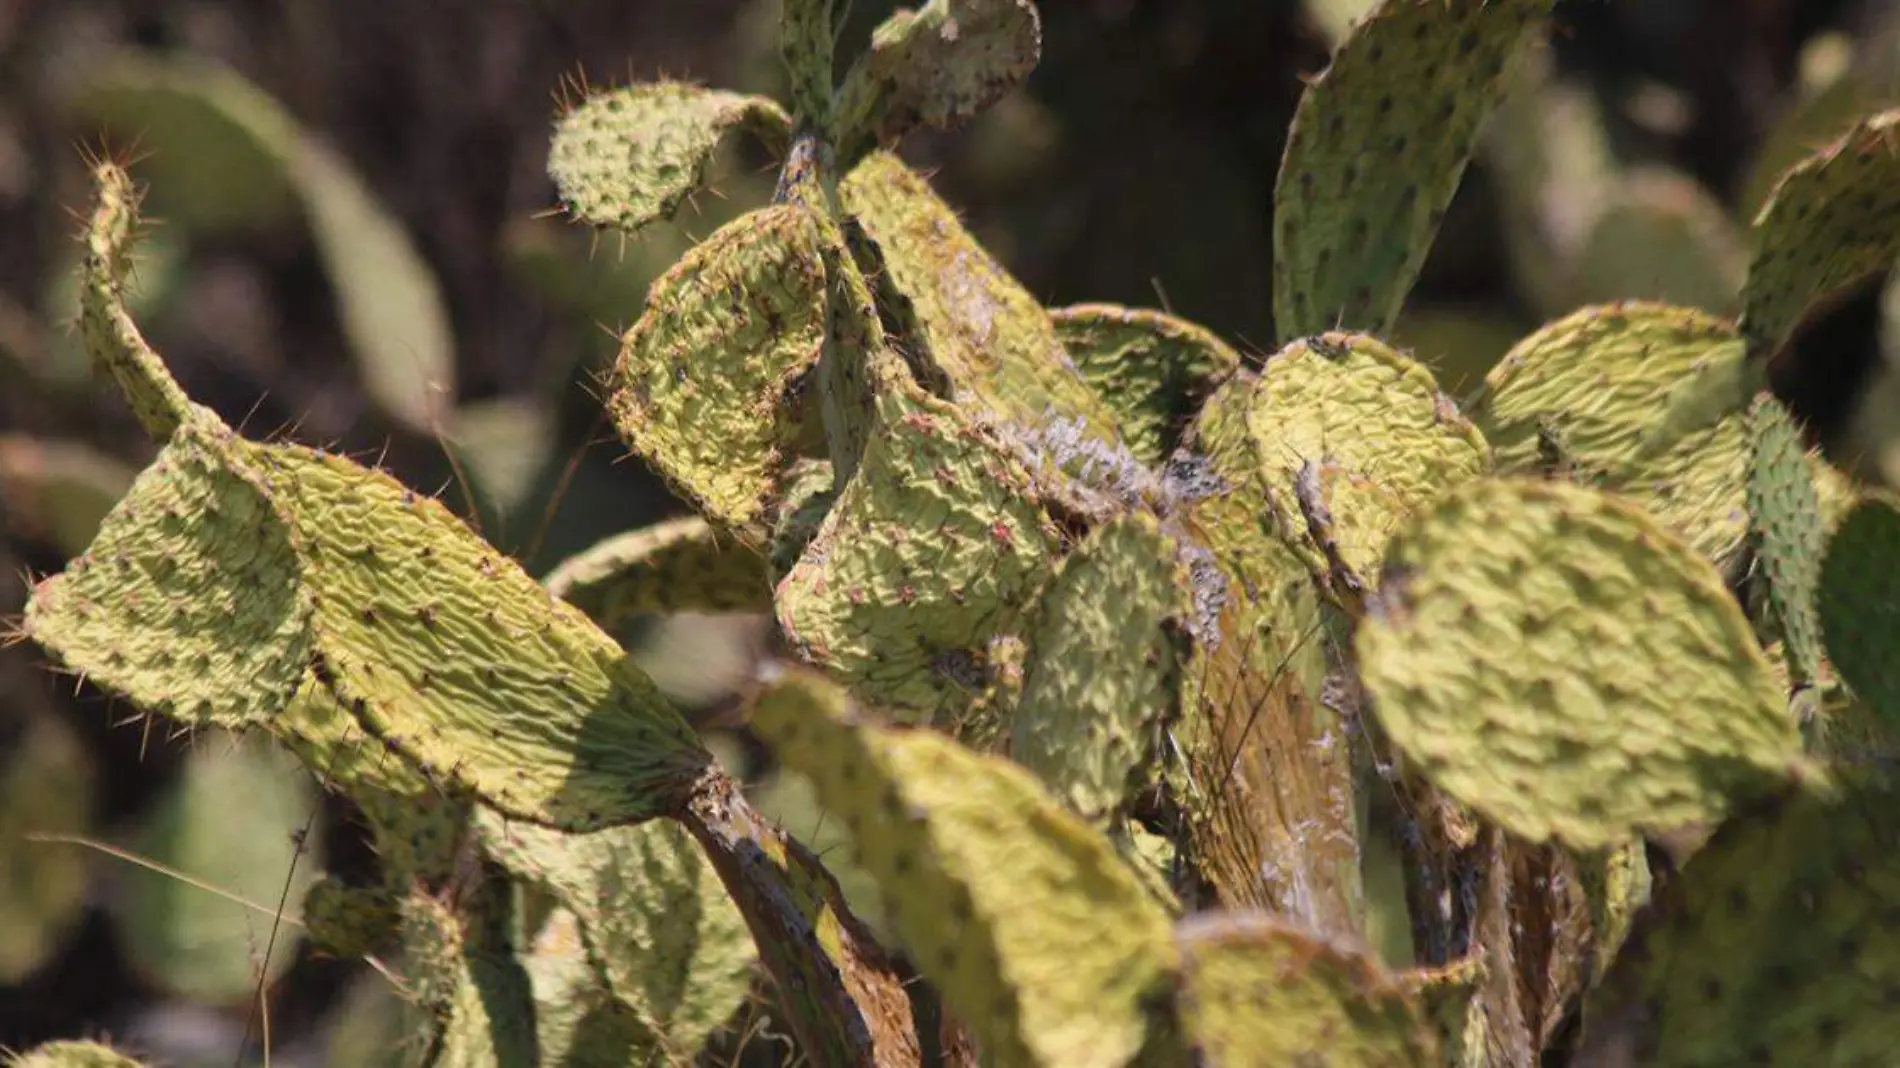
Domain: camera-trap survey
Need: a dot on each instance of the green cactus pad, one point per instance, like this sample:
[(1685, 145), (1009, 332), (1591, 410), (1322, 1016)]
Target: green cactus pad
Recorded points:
[(1771, 946), (701, 387), (235, 821), (72, 1055), (983, 332), (449, 653), (1604, 379), (1831, 225), (656, 921), (58, 492), (1152, 368), (1661, 236), (808, 35), (189, 601), (1784, 513), (933, 546), (678, 565), (1860, 603), (805, 499), (1041, 939), (1260, 992), (624, 158), (1377, 149), (1349, 400), (936, 67), (1103, 676), (111, 336), (387, 297), (349, 921), (1553, 658)]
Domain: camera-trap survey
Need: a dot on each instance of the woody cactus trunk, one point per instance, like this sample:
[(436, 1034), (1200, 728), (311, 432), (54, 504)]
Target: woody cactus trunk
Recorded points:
[(1121, 656)]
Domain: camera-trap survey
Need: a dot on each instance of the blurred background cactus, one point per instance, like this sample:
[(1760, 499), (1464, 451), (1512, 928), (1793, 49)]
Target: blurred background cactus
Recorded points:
[(354, 244)]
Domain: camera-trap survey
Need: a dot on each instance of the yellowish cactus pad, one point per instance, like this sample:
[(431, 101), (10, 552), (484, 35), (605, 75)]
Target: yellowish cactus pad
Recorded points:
[(1106, 649), (1376, 151), (677, 565), (655, 919), (1042, 940), (624, 158), (1831, 224), (447, 651), (984, 333), (934, 546), (701, 387), (1261, 993), (72, 1055), (1152, 368), (1773, 945), (1553, 658), (190, 601)]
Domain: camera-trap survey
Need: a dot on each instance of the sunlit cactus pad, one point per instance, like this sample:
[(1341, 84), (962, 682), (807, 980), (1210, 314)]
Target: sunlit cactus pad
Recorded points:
[(937, 66), (1154, 369), (627, 157), (1553, 658), (677, 565)]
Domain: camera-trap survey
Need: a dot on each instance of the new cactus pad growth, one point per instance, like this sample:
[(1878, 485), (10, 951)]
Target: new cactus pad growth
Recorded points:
[(1124, 664)]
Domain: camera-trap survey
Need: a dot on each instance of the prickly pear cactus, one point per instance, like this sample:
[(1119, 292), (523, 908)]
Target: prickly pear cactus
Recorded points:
[(1377, 148), (1041, 940), (1155, 370), (72, 1055), (678, 565), (1525, 649), (1860, 603), (937, 66), (1786, 527)]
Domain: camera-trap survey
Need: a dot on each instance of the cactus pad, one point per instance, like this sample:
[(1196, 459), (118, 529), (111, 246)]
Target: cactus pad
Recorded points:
[(1042, 940), (1831, 225), (72, 1055), (1378, 146), (1860, 603), (576, 1022), (983, 332), (1609, 381), (1152, 368), (1769, 947), (1259, 992), (701, 387), (933, 546), (349, 921), (1784, 513), (189, 601), (937, 67), (482, 1001), (659, 926), (624, 158), (58, 492), (449, 653), (678, 565), (47, 787), (1527, 649), (1104, 668), (1349, 400)]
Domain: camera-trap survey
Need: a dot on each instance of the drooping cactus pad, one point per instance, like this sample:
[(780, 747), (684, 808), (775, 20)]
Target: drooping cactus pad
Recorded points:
[(1152, 368), (1860, 603), (677, 565), (1377, 149), (1043, 942), (1551, 657), (626, 157), (1261, 992), (937, 66), (1832, 224), (1105, 659), (190, 601), (701, 387)]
